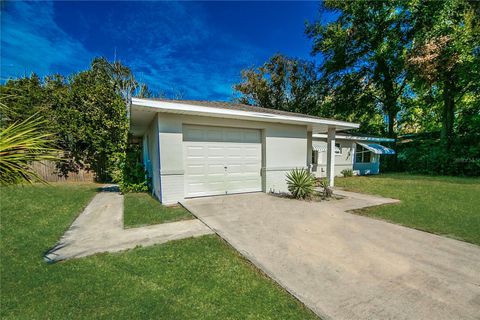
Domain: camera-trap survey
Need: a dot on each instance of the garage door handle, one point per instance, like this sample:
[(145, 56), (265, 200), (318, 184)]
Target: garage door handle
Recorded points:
[(225, 167)]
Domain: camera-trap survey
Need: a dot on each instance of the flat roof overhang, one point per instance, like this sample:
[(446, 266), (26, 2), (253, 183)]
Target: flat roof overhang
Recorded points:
[(143, 111), (354, 138)]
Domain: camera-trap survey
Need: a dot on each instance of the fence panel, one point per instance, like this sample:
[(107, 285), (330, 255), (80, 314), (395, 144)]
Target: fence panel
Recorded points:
[(47, 170)]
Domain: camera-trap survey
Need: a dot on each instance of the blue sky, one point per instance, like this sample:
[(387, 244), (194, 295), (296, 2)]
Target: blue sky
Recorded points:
[(197, 48)]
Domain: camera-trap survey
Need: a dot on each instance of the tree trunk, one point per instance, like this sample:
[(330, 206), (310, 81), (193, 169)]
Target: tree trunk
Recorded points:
[(390, 107), (448, 116), (390, 102), (391, 122)]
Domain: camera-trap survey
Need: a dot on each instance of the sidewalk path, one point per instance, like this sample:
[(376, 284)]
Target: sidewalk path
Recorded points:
[(99, 228)]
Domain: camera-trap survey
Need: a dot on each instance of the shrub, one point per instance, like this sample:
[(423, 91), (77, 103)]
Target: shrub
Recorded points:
[(130, 173), (426, 154), (327, 191), (22, 143), (347, 173), (301, 183)]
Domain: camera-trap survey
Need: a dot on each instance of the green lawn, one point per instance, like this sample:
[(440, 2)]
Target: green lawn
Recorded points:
[(142, 209), (447, 206), (197, 278)]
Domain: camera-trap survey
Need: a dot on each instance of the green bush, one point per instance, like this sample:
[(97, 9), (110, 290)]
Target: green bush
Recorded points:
[(429, 156), (301, 183), (130, 173), (347, 172)]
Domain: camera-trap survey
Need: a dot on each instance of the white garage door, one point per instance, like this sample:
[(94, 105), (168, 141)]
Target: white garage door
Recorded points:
[(221, 160)]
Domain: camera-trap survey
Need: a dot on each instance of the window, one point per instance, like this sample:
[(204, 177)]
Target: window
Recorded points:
[(362, 155), (314, 156), (338, 148)]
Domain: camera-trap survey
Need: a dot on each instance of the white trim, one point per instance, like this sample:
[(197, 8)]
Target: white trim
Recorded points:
[(172, 107), (331, 156), (352, 137), (284, 168)]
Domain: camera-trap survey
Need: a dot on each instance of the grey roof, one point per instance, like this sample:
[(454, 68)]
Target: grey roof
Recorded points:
[(236, 106)]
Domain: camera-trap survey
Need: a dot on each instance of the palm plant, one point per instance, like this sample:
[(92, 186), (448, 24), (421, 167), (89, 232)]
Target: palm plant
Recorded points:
[(301, 183), (20, 144), (327, 190)]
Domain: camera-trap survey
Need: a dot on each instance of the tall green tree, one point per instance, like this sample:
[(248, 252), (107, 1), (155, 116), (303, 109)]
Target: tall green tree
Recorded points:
[(281, 83), (446, 55), (87, 111), (364, 51)]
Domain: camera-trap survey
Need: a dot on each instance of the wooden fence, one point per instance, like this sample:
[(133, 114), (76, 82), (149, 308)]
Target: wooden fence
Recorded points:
[(47, 170)]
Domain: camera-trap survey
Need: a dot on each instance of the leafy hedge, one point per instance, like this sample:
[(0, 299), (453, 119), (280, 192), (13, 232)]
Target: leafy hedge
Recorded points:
[(85, 110), (130, 173), (430, 156)]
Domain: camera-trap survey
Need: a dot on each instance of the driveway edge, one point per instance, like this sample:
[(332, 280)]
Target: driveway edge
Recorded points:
[(322, 315)]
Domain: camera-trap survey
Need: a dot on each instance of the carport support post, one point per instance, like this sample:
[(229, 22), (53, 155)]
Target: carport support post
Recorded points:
[(331, 156)]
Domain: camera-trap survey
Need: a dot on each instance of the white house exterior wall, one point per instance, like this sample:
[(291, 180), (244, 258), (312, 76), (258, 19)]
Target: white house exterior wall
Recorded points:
[(284, 147), (342, 161)]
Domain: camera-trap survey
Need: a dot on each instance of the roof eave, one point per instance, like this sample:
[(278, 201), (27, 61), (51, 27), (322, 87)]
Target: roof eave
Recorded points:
[(172, 107), (356, 138)]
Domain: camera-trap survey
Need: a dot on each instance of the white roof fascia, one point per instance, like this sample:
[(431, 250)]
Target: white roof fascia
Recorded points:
[(351, 137), (171, 107)]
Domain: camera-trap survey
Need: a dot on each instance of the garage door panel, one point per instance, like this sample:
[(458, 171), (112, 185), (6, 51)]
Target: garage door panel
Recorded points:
[(251, 168), (235, 169), (214, 170), (221, 160), (195, 169)]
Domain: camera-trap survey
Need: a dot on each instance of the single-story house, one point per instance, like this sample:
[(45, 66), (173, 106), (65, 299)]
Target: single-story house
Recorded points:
[(359, 153), (202, 148)]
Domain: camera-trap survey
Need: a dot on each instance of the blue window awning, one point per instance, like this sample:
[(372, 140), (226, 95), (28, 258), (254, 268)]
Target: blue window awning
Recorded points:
[(377, 148)]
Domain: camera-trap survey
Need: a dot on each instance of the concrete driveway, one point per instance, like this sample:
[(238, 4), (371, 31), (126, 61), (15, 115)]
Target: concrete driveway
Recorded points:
[(345, 266)]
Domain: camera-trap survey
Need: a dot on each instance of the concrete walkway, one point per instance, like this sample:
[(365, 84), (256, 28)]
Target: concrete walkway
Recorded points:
[(99, 228), (345, 266)]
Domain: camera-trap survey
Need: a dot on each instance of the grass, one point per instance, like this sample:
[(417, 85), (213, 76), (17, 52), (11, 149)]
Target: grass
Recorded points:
[(142, 209), (196, 278), (446, 206)]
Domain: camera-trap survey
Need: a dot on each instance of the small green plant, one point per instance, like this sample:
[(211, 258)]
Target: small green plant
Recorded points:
[(301, 183), (347, 173), (327, 191), (22, 143), (130, 173)]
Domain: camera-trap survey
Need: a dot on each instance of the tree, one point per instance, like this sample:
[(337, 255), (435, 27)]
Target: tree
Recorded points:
[(446, 56), (24, 97), (120, 76), (364, 53), (92, 122), (144, 91), (87, 112), (281, 83)]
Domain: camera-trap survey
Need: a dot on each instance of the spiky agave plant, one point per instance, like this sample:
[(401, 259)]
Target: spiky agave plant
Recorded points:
[(22, 143), (301, 183), (327, 190)]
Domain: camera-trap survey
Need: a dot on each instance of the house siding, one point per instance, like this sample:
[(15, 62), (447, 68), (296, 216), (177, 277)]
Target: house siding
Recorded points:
[(343, 161), (284, 147)]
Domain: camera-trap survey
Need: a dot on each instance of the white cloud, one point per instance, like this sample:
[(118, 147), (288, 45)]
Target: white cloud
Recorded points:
[(169, 45), (32, 41)]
